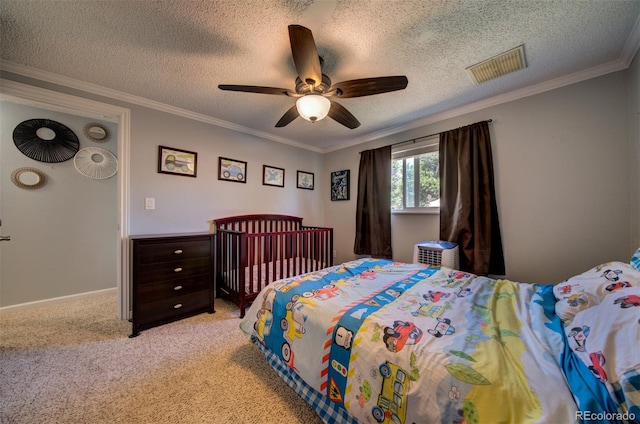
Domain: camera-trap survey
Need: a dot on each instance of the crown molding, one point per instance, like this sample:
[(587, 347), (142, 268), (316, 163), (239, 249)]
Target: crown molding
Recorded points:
[(632, 45), (140, 101), (626, 57), (586, 74)]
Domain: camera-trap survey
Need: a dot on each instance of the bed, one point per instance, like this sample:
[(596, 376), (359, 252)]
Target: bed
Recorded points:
[(254, 250), (376, 341)]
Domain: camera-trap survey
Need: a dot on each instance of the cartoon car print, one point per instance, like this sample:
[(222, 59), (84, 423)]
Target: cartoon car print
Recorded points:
[(612, 275), (326, 292), (171, 163), (393, 293), (436, 296), (617, 286), (233, 171), (368, 275), (576, 299), (343, 337), (567, 289), (429, 310), (392, 401), (292, 324), (627, 301), (402, 333), (459, 275), (580, 335), (463, 292), (598, 360), (442, 328)]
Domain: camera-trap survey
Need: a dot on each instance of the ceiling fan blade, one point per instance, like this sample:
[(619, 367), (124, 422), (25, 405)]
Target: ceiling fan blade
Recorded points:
[(341, 115), (288, 117), (305, 54), (369, 86), (254, 89)]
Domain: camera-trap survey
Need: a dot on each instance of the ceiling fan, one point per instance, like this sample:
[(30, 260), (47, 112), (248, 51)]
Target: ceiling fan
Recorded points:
[(314, 90)]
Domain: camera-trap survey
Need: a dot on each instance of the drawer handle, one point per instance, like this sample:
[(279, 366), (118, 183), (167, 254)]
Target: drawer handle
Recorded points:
[(178, 251), (176, 288), (177, 306), (179, 269)]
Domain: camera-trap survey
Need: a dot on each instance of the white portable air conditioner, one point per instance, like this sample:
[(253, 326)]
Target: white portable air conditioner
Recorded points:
[(437, 253)]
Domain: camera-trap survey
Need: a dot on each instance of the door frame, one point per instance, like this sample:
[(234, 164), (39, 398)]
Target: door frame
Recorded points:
[(13, 91)]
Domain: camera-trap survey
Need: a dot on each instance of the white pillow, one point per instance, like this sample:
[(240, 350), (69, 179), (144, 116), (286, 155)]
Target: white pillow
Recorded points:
[(605, 337), (591, 287)]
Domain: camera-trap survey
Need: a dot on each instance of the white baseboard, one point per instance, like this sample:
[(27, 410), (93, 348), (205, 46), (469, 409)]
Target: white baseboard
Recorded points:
[(55, 300)]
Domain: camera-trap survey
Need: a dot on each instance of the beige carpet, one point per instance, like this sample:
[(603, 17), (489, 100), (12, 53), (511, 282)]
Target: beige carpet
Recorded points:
[(74, 363)]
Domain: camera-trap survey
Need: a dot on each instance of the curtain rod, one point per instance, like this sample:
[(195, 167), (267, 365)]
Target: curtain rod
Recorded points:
[(430, 135)]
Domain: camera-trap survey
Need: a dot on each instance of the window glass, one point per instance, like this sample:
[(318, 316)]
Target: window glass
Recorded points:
[(415, 179), (409, 174)]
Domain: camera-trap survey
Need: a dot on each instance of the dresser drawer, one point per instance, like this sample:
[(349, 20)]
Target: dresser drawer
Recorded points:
[(172, 289), (163, 251), (165, 309), (170, 270)]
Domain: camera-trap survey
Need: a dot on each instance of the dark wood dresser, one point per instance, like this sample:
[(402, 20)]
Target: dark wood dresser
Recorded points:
[(172, 278)]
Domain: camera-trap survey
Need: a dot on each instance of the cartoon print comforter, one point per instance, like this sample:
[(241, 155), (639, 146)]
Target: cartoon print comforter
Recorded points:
[(405, 343)]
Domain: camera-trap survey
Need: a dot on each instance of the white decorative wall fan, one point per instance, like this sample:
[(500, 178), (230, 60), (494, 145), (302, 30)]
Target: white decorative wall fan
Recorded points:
[(96, 163)]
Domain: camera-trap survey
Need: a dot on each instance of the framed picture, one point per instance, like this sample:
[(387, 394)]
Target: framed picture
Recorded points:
[(272, 176), (340, 185), (232, 170), (305, 180), (177, 162)]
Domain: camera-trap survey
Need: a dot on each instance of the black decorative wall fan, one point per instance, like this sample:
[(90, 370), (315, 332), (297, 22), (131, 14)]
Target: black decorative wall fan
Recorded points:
[(62, 146), (315, 88)]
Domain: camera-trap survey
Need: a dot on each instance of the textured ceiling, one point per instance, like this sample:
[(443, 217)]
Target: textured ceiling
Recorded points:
[(177, 52)]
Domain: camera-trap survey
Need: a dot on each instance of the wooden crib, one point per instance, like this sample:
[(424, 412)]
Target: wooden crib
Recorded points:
[(253, 251)]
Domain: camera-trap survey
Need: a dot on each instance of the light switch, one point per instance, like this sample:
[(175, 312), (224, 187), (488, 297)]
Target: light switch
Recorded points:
[(149, 203)]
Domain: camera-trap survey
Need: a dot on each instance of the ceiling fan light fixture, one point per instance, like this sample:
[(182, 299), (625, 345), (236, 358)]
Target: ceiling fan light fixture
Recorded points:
[(313, 107)]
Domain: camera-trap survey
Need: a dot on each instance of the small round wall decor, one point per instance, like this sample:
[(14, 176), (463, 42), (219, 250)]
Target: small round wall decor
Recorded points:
[(45, 140), (28, 178), (96, 163), (97, 132)]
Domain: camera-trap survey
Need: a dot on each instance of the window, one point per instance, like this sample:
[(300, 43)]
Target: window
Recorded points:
[(415, 178)]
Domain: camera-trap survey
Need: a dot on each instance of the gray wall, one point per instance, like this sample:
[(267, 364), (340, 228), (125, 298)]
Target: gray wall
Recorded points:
[(563, 180), (64, 235), (189, 204)]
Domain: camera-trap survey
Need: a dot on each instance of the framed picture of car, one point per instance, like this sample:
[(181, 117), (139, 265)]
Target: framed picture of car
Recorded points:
[(177, 162), (272, 176), (232, 170)]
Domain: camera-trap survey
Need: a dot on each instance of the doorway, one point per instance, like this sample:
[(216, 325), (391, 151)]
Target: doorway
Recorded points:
[(68, 237)]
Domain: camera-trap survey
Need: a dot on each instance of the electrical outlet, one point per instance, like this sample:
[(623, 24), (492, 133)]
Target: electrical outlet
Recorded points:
[(149, 203), (335, 253)]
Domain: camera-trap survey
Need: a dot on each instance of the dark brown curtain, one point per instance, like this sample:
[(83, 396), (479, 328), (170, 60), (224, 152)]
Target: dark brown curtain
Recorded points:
[(373, 213), (468, 210)]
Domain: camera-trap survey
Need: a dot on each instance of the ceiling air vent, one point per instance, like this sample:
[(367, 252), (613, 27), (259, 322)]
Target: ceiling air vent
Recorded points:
[(502, 64)]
